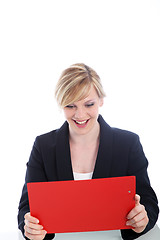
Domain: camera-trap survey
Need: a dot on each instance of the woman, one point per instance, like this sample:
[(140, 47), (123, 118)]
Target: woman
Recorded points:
[(87, 147)]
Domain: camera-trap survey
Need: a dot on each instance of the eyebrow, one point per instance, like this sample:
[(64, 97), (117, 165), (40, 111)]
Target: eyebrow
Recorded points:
[(91, 100), (88, 101)]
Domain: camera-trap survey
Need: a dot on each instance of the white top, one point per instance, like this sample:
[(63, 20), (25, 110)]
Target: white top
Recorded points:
[(82, 176)]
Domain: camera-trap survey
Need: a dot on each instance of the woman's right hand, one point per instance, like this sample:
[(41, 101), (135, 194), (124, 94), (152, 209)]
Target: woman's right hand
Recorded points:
[(33, 230)]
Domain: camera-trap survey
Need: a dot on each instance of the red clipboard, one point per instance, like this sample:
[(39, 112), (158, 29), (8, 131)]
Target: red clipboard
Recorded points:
[(82, 205)]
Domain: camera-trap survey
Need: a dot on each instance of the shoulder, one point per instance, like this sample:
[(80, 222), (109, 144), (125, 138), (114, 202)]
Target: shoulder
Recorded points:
[(50, 138), (45, 141), (119, 135), (47, 136)]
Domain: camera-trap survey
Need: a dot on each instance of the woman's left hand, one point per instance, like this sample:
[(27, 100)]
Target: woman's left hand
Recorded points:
[(137, 218)]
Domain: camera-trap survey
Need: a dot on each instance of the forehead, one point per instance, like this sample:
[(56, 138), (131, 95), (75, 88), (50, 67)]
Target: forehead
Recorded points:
[(92, 95)]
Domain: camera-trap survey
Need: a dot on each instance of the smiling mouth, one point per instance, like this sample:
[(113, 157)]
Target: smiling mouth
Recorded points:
[(81, 123)]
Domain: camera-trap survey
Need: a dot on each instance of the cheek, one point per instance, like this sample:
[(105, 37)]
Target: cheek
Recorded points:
[(94, 112), (68, 114)]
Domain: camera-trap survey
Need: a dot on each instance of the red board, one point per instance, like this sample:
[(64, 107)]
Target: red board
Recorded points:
[(82, 205)]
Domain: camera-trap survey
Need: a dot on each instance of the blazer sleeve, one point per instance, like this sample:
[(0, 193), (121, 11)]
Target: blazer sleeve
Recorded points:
[(35, 173), (137, 166)]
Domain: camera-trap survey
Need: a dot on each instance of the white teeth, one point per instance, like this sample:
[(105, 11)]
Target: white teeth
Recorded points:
[(81, 122)]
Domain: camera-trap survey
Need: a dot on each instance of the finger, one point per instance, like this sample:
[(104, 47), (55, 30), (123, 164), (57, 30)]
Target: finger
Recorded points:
[(136, 219), (34, 231), (28, 217), (135, 211), (137, 199), (34, 237), (139, 224), (33, 225)]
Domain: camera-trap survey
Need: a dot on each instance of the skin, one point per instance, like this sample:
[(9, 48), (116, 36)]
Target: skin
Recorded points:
[(137, 218), (33, 230), (86, 109), (84, 138)]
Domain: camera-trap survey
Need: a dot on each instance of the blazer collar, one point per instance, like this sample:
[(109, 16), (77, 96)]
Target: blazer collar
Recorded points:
[(104, 156)]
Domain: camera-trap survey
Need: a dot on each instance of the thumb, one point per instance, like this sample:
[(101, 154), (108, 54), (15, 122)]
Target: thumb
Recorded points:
[(137, 199)]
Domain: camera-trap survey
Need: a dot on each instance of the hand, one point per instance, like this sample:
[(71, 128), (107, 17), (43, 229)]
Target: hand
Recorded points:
[(33, 230), (137, 218)]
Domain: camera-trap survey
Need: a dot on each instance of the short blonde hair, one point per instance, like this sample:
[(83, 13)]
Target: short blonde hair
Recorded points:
[(74, 84)]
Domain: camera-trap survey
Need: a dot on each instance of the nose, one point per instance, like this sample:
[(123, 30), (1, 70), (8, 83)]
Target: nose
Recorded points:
[(79, 113)]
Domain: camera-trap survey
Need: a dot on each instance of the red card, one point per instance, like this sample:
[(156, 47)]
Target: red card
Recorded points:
[(82, 205)]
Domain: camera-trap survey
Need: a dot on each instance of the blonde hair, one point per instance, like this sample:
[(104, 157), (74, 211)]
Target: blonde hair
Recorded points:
[(75, 82)]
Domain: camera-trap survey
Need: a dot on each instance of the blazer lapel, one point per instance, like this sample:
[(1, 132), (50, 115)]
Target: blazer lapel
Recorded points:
[(104, 157), (63, 159)]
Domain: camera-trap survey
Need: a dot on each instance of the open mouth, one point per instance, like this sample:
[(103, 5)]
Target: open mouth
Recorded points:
[(81, 123)]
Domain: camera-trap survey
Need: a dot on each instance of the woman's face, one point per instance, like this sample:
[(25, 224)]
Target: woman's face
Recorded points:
[(82, 115)]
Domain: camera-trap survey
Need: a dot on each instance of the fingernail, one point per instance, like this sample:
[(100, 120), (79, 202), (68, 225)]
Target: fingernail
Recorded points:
[(127, 223)]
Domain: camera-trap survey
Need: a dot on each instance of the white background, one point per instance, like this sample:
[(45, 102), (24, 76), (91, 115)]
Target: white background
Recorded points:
[(38, 39)]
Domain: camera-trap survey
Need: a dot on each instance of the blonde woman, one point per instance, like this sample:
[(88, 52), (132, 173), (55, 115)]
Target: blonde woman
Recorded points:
[(87, 147)]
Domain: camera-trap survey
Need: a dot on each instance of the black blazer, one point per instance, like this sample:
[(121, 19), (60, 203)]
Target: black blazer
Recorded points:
[(120, 154)]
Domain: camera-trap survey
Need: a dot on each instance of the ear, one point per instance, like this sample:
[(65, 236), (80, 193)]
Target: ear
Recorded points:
[(101, 102)]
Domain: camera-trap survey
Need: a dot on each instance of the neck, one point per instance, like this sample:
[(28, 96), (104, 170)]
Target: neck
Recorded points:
[(89, 138)]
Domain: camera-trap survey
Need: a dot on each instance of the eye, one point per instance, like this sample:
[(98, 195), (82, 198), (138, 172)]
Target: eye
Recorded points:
[(70, 106), (89, 104)]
